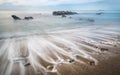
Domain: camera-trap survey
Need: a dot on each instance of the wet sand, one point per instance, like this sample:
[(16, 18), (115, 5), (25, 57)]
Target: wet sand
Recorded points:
[(105, 66), (110, 66), (61, 54)]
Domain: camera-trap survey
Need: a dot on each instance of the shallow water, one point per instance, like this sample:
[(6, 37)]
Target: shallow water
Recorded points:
[(45, 22)]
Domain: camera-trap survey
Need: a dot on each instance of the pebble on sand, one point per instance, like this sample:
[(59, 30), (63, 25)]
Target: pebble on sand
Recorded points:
[(104, 49), (51, 68), (115, 45), (91, 63), (27, 64), (88, 61), (71, 60)]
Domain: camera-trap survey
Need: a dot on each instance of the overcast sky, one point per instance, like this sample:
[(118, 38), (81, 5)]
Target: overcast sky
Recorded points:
[(60, 4)]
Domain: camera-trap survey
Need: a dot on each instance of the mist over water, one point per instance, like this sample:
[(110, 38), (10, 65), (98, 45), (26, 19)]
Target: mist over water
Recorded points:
[(46, 22), (47, 42)]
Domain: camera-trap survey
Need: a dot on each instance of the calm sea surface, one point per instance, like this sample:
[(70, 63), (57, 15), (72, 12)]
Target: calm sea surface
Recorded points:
[(46, 22)]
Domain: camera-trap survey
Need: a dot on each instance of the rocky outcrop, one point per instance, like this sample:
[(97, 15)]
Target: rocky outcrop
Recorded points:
[(63, 13), (28, 18), (16, 17), (99, 13)]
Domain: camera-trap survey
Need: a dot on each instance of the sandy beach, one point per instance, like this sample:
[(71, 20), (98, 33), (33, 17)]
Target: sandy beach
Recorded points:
[(59, 54), (109, 66)]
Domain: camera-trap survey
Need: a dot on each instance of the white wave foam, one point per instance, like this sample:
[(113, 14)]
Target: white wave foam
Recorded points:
[(45, 53)]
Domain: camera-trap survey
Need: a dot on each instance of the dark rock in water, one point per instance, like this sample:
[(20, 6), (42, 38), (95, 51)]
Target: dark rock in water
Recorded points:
[(2, 38), (104, 49), (70, 17), (27, 64), (91, 20), (99, 13), (63, 13), (27, 18), (16, 17)]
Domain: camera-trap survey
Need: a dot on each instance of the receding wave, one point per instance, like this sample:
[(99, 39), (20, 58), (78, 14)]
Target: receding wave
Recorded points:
[(48, 52)]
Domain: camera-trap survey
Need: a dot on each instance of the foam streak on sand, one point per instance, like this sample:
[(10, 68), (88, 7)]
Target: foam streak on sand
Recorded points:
[(45, 53)]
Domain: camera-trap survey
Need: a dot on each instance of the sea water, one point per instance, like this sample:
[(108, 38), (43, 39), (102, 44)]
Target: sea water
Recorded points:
[(46, 22)]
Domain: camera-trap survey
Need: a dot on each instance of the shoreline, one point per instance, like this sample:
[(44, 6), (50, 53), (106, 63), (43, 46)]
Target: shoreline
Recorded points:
[(61, 54)]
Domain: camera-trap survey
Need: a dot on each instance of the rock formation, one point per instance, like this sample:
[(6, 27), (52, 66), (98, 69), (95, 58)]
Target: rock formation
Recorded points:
[(16, 17), (63, 13), (28, 18)]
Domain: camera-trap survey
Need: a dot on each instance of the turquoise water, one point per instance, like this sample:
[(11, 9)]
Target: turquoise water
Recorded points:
[(45, 22)]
